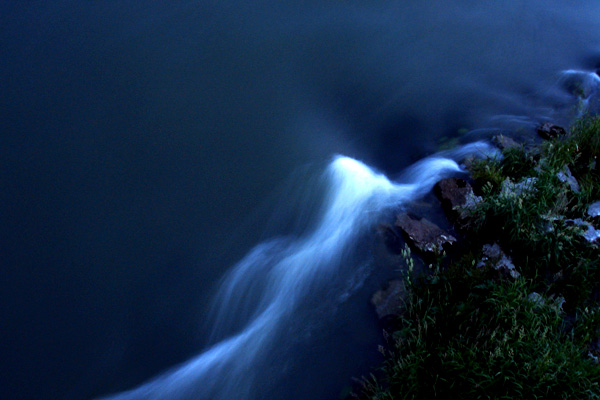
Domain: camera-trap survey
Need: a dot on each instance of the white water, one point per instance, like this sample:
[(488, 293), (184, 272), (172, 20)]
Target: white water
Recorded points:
[(280, 276)]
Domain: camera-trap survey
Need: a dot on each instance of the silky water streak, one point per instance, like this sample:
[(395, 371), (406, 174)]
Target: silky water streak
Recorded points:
[(284, 274)]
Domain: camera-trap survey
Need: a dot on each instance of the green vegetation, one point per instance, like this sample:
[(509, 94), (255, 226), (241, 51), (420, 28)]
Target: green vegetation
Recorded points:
[(536, 224), (467, 331), (467, 335)]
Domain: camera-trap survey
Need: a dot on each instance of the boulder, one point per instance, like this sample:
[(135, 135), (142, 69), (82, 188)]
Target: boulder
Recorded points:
[(428, 238), (457, 198), (493, 256), (550, 131), (389, 301)]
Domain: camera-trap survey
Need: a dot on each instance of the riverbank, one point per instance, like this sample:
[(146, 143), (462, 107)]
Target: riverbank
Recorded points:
[(507, 305)]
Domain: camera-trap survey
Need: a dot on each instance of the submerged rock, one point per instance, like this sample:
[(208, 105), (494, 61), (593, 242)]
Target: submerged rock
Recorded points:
[(550, 131), (424, 235), (388, 302), (493, 256), (566, 176), (457, 198), (505, 142)]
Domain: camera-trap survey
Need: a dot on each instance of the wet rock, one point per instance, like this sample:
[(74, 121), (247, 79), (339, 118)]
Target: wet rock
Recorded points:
[(594, 210), (522, 188), (493, 256), (391, 239), (566, 176), (457, 198), (550, 131), (504, 142), (389, 301), (424, 235)]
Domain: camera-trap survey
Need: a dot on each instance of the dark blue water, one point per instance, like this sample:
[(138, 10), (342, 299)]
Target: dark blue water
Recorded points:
[(146, 147)]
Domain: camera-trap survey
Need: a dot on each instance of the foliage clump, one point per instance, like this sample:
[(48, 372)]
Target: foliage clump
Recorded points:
[(467, 335), (537, 224), (467, 332)]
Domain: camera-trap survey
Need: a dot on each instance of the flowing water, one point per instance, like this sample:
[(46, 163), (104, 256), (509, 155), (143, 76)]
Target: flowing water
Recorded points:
[(281, 280), (164, 205)]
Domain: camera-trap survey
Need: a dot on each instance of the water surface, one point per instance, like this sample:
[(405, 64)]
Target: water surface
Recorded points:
[(146, 147)]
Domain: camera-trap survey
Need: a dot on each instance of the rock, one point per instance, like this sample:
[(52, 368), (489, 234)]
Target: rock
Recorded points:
[(566, 176), (537, 299), (424, 235), (522, 188), (555, 303), (391, 239), (389, 301), (589, 233), (550, 131), (533, 150), (457, 198), (505, 142), (594, 210), (493, 256), (547, 222), (592, 234)]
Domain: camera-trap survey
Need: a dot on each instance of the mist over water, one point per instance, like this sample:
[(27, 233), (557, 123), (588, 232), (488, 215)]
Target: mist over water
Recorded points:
[(147, 147)]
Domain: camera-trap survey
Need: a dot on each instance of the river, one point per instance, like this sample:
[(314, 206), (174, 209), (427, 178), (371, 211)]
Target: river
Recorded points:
[(167, 167)]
